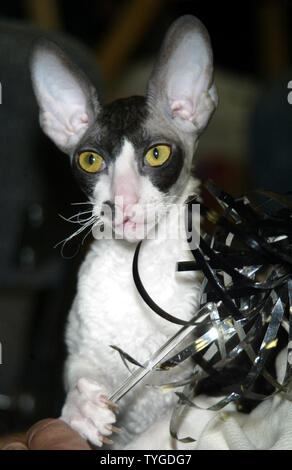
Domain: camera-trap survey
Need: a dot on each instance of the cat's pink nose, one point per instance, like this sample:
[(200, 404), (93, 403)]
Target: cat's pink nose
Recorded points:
[(125, 194), (125, 201), (125, 207), (129, 200)]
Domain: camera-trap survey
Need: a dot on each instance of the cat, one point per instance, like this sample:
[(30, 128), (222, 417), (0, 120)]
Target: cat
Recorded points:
[(132, 157)]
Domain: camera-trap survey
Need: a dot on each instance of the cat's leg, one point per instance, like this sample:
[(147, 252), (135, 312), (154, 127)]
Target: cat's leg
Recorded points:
[(88, 411)]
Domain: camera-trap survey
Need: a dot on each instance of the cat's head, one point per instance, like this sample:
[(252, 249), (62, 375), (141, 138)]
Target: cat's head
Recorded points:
[(134, 154)]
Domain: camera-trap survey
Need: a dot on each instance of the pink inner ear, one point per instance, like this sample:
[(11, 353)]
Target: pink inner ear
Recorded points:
[(84, 118), (78, 120), (182, 109)]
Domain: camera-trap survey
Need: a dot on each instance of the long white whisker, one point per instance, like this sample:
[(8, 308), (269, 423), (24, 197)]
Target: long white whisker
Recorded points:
[(86, 235), (84, 226), (81, 213), (79, 222), (77, 216), (82, 203)]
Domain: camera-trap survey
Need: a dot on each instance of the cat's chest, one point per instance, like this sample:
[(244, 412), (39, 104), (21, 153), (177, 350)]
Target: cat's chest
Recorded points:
[(110, 305)]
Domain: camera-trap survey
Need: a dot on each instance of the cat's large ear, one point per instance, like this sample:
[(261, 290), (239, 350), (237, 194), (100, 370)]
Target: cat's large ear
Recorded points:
[(181, 84), (67, 100)]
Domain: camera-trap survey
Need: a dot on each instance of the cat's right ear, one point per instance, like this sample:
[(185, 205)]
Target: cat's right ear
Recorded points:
[(67, 100)]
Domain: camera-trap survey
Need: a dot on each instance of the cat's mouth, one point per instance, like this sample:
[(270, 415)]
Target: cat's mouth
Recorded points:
[(131, 223), (128, 222), (130, 229)]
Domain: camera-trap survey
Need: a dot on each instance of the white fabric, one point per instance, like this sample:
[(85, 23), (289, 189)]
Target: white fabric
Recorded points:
[(267, 427)]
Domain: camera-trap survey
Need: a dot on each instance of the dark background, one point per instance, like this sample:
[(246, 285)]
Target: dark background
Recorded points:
[(252, 54), (239, 29)]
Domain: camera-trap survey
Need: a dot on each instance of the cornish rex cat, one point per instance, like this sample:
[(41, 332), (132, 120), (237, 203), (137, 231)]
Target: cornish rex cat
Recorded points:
[(134, 157)]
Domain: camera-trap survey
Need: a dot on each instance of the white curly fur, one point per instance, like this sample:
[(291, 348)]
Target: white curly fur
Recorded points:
[(109, 311)]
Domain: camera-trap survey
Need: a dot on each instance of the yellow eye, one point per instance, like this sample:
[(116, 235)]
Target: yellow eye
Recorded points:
[(158, 155), (91, 162)]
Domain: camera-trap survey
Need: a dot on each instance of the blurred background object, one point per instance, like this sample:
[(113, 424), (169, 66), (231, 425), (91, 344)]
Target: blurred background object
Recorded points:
[(246, 145)]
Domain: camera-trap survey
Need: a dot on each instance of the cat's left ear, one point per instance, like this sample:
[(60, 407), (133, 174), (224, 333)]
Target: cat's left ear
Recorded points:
[(181, 84), (67, 100)]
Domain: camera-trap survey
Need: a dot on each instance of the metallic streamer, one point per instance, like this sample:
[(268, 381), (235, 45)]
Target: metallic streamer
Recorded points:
[(246, 303)]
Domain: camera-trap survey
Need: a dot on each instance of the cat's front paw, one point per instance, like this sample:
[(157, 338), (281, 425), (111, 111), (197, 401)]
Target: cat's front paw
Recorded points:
[(89, 412)]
